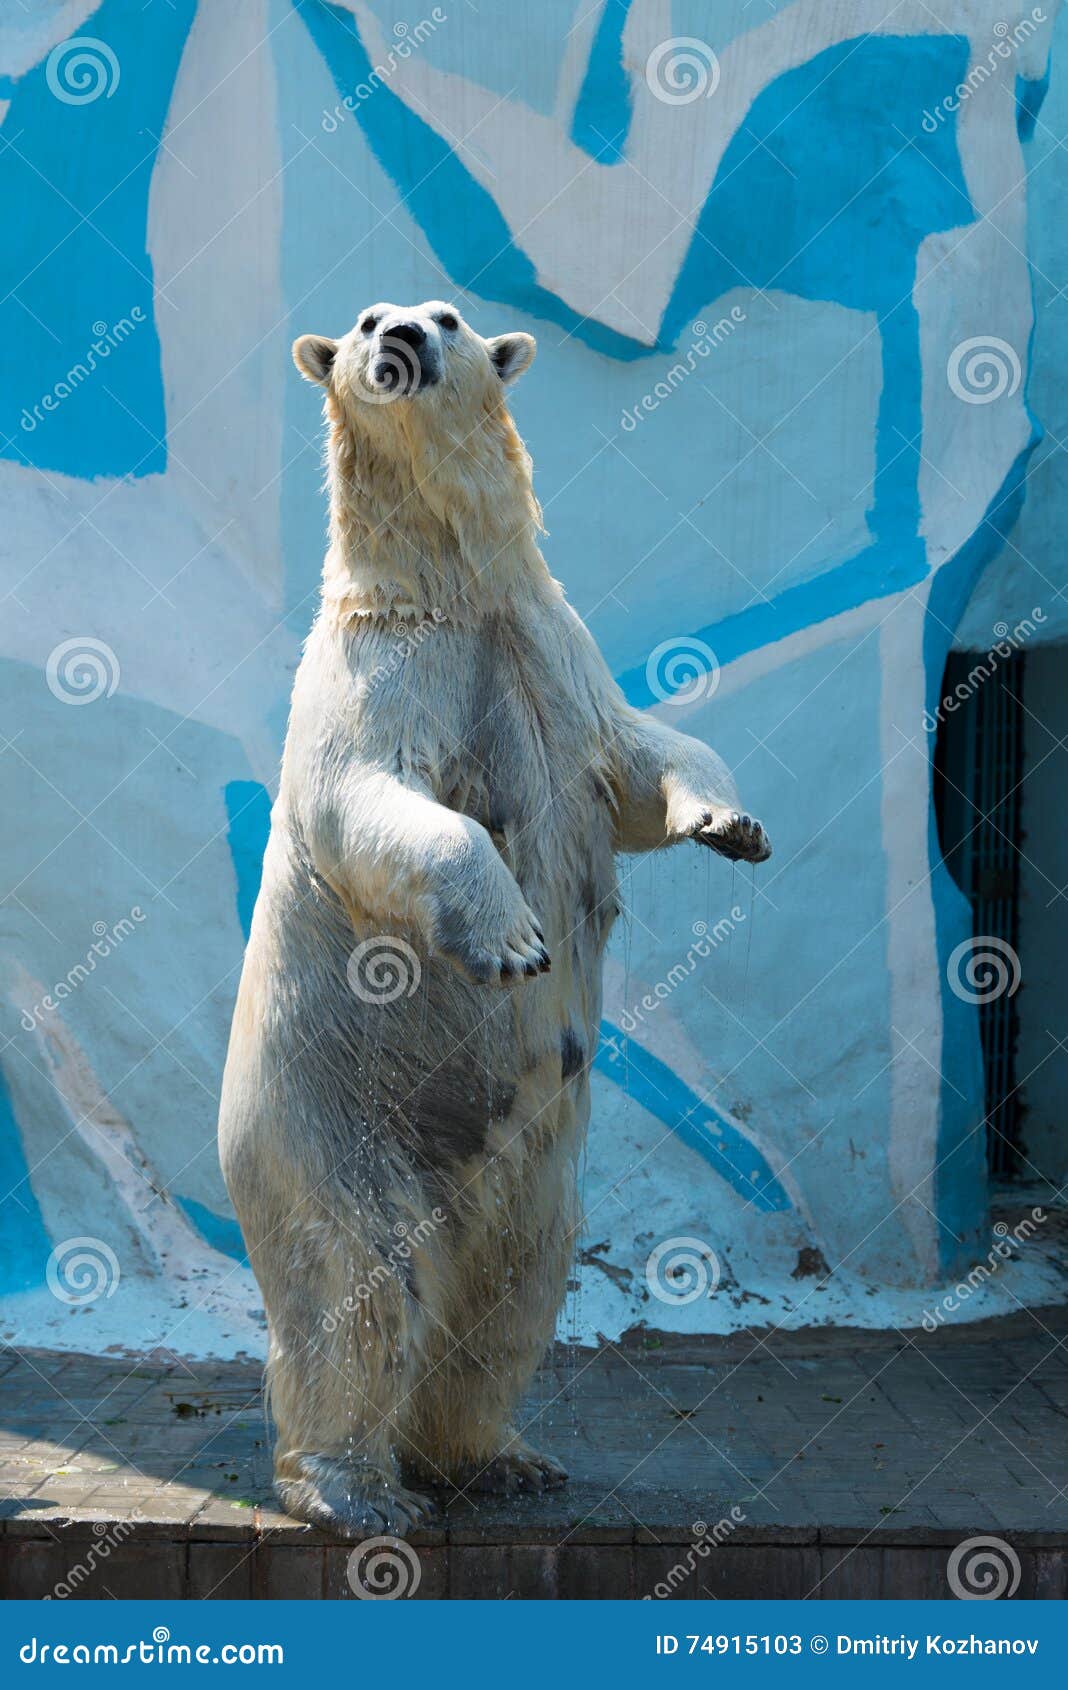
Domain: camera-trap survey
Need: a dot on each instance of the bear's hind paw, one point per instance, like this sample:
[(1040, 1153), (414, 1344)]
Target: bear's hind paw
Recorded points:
[(352, 1499), (518, 1468)]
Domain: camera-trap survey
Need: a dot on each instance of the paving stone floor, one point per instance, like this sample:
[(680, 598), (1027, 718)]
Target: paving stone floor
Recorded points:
[(825, 1463)]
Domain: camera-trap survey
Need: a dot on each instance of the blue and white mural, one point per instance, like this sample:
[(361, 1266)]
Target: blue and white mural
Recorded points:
[(774, 258)]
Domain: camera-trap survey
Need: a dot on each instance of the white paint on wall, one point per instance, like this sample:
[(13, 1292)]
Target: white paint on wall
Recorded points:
[(215, 222), (31, 31), (911, 944)]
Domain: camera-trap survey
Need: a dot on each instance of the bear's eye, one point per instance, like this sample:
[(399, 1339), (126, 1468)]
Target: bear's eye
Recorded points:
[(368, 324), (448, 321)]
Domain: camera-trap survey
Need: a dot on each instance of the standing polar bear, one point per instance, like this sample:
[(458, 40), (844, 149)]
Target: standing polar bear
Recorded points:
[(407, 1084)]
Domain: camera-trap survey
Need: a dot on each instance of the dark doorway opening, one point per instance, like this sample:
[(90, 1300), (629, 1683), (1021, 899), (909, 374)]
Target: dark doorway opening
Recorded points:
[(979, 756)]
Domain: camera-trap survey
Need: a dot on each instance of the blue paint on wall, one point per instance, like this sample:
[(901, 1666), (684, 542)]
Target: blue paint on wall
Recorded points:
[(74, 180), (1030, 93), (841, 224), (960, 1172), (839, 221), (604, 107), (699, 1124), (874, 573), (461, 221), (248, 809), (26, 1244), (220, 1231)]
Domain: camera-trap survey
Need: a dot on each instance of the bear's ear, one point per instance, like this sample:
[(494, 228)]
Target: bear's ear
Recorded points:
[(313, 355), (511, 354)]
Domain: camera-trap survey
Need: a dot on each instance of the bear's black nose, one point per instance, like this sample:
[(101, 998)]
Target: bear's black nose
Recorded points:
[(410, 333)]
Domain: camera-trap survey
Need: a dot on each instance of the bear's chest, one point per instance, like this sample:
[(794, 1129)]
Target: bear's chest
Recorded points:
[(528, 762), (501, 724)]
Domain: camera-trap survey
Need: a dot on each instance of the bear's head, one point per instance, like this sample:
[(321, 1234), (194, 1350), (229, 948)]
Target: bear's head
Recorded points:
[(412, 354), (431, 497)]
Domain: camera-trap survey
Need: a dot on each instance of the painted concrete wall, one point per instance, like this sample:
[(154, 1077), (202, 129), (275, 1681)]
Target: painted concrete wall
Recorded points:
[(1029, 569), (777, 272)]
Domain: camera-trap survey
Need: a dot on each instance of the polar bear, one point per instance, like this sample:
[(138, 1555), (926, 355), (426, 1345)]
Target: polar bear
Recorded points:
[(407, 1084)]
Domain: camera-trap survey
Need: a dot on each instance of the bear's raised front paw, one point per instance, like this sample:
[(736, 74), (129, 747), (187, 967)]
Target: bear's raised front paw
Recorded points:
[(352, 1498), (494, 954), (519, 1468), (736, 836)]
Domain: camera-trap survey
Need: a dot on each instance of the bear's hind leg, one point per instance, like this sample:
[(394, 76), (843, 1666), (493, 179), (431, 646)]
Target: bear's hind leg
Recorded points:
[(460, 1426), (507, 1283), (339, 1364)]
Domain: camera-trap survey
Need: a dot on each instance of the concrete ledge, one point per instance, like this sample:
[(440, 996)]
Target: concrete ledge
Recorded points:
[(197, 1569)]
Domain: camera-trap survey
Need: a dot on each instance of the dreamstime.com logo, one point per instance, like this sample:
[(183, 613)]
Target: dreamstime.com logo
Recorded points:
[(155, 1651), (681, 670), (81, 1270), (383, 1569), (383, 968), (81, 670), (983, 1569), (983, 969), (682, 1269), (82, 70), (982, 369), (682, 70)]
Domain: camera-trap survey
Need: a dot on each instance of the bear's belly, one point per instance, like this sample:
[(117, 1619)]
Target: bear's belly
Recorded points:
[(409, 1054)]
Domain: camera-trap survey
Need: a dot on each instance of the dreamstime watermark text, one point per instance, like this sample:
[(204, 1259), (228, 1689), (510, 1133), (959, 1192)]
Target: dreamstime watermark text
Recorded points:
[(1008, 640), (1001, 1251), (108, 939), (408, 37), (706, 1539), (106, 339), (405, 645), (705, 341), (706, 940), (107, 1537), (1008, 39), (408, 1238)]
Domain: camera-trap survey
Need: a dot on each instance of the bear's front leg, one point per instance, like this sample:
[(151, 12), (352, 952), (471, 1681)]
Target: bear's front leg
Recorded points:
[(394, 854), (672, 787)]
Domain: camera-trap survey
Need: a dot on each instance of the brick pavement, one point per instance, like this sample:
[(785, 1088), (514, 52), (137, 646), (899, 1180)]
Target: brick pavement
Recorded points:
[(824, 1463)]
